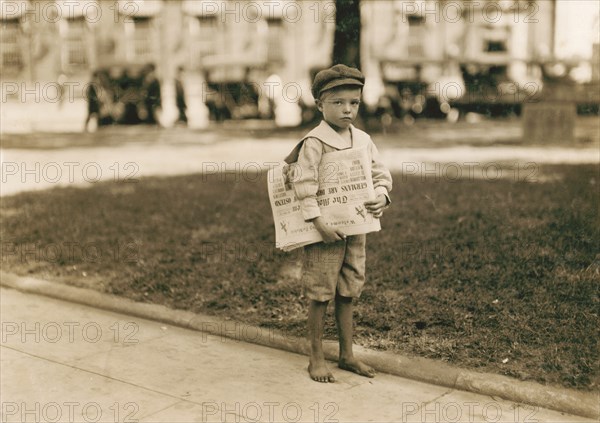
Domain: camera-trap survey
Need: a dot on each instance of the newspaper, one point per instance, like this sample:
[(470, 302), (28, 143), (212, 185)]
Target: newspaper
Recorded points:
[(345, 183)]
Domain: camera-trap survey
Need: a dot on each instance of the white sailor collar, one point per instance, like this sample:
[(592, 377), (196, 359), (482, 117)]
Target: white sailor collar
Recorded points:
[(327, 135)]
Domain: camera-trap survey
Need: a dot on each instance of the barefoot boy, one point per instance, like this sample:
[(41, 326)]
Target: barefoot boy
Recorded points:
[(335, 268)]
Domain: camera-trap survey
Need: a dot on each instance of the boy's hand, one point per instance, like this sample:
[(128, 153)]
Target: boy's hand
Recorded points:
[(328, 234), (376, 206)]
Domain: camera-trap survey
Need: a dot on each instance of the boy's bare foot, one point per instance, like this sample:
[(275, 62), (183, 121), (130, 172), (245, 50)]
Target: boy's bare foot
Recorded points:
[(356, 366), (320, 373)]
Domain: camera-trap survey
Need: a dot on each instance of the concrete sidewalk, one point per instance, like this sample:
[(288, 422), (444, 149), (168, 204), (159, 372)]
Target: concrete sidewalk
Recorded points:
[(37, 169), (72, 363)]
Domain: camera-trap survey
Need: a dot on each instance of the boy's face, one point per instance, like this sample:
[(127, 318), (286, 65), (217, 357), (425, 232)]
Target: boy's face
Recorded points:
[(340, 106)]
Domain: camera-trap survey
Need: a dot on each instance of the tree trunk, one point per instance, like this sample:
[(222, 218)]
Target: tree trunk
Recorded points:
[(346, 41)]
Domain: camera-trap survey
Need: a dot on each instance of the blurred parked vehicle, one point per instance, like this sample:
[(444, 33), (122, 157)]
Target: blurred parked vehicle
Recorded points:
[(124, 94)]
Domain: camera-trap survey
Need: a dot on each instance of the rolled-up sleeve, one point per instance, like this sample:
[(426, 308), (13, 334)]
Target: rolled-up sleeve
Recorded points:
[(382, 179), (305, 177)]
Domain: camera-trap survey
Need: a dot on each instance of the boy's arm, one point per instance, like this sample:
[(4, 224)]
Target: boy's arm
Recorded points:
[(382, 184), (305, 177), (382, 179)]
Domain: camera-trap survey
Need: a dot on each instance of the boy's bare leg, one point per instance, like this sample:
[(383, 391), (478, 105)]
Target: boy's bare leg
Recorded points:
[(316, 321), (343, 317)]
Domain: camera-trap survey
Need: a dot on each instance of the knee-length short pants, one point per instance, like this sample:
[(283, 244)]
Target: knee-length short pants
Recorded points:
[(337, 266)]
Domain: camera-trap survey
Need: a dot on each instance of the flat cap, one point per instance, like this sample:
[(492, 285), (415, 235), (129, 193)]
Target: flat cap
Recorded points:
[(336, 76)]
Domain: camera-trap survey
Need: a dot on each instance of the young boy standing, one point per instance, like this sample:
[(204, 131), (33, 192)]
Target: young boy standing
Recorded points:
[(334, 269)]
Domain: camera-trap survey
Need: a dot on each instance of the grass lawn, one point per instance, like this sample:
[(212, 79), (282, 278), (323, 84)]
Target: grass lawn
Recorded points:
[(501, 276)]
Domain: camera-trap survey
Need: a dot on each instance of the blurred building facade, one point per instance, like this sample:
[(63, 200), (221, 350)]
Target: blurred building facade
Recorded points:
[(50, 48)]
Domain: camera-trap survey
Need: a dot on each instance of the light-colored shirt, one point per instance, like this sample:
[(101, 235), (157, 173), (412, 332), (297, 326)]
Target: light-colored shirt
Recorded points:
[(307, 156)]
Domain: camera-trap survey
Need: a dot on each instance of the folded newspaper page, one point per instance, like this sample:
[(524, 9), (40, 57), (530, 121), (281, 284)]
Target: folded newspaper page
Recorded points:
[(345, 183)]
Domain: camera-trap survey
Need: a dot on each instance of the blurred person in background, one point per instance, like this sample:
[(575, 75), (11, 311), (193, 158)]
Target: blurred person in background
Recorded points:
[(180, 97), (152, 95), (114, 93), (93, 99)]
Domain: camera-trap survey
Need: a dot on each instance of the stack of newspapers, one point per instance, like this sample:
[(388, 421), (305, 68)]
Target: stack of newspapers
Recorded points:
[(345, 184)]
